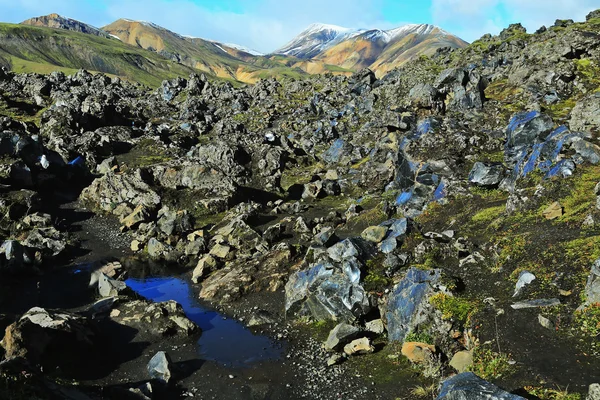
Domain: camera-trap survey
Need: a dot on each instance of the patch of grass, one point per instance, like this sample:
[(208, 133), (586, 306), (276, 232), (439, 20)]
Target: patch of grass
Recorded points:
[(552, 394), (420, 337), (589, 72), (582, 251), (488, 215), (562, 109), (424, 392), (454, 308), (581, 196), (488, 364), (588, 320), (512, 248), (503, 91)]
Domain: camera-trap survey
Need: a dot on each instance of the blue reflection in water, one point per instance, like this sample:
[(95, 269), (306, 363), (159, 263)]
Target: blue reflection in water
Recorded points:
[(223, 340)]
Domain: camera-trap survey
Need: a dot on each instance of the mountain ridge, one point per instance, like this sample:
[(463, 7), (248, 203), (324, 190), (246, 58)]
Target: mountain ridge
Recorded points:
[(320, 48)]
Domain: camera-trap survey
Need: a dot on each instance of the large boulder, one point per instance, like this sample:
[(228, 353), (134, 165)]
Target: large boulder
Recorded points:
[(160, 319), (592, 287), (408, 304), (159, 367), (527, 128), (48, 337), (486, 174), (586, 114), (468, 386), (326, 292)]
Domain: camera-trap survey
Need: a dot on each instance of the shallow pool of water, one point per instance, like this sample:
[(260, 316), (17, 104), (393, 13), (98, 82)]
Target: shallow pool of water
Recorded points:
[(223, 340)]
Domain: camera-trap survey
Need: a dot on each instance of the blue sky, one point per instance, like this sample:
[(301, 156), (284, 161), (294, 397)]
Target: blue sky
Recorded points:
[(266, 25)]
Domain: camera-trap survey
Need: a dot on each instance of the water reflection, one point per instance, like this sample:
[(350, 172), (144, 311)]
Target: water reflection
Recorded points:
[(224, 340)]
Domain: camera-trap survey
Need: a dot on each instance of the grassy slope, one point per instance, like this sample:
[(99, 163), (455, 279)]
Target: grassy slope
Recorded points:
[(42, 50)]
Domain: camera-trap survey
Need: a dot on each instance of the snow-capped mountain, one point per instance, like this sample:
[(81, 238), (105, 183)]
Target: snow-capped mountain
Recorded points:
[(378, 49), (317, 38)]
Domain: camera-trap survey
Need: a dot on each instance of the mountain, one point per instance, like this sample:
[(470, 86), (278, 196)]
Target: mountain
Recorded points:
[(60, 22), (380, 50), (25, 48), (321, 48), (222, 60), (315, 39)]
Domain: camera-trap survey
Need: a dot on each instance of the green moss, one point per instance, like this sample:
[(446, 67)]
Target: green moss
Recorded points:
[(561, 110), (420, 337), (589, 72), (376, 279), (453, 308), (583, 251), (581, 196), (488, 215), (588, 320), (488, 364)]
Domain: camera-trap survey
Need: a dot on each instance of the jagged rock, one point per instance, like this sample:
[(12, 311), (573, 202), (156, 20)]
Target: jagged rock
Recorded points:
[(48, 240), (340, 336), (48, 337), (468, 386), (13, 255), (359, 346), (325, 292), (488, 175), (374, 234), (593, 392), (376, 326), (525, 278), (160, 319), (408, 304), (592, 287), (589, 151), (537, 303), (527, 128), (159, 367), (586, 114), (553, 211), (205, 265), (138, 215), (220, 251), (418, 352)]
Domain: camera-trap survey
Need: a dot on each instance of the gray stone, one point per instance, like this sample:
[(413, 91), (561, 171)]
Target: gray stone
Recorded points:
[(525, 278), (527, 128), (486, 174), (376, 326), (359, 346), (537, 303), (593, 392), (340, 336), (159, 367), (108, 287), (408, 304), (592, 287), (589, 151), (325, 292), (468, 386), (374, 234)]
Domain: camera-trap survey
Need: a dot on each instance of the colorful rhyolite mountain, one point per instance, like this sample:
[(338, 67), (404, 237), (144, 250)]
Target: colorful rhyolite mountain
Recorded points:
[(320, 48), (380, 50)]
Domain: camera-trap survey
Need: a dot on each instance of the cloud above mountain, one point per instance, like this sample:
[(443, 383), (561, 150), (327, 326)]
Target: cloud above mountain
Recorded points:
[(266, 25), (471, 19)]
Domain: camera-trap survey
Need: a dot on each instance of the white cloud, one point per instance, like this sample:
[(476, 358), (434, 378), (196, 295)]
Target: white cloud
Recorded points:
[(470, 19)]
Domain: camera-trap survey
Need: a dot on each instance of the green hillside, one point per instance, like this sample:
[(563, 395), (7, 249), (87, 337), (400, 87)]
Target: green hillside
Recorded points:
[(43, 50)]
